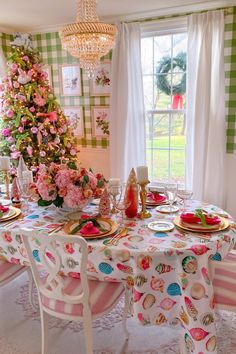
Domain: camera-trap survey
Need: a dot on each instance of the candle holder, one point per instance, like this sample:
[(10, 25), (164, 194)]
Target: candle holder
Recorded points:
[(7, 183), (144, 214)]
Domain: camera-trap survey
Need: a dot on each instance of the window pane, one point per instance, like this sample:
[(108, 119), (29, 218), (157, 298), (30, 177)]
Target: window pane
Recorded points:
[(162, 100), (162, 47), (177, 165), (148, 91), (147, 55), (164, 76), (177, 140)]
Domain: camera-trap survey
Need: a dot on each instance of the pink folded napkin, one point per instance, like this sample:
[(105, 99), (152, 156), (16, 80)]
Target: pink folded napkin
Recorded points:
[(156, 197)]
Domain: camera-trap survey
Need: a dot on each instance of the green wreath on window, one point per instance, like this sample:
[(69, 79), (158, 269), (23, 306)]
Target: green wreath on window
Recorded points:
[(164, 68)]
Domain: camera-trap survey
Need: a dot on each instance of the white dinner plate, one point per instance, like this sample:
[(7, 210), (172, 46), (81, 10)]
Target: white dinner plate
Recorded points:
[(167, 209), (161, 226)]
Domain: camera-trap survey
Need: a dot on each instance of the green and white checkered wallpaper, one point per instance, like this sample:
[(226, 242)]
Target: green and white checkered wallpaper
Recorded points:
[(230, 80), (49, 45)]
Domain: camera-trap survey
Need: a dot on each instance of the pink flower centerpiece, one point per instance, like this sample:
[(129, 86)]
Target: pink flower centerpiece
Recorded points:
[(62, 184)]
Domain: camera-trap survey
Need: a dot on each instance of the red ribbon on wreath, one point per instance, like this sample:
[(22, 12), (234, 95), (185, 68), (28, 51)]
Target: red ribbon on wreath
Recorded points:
[(177, 102)]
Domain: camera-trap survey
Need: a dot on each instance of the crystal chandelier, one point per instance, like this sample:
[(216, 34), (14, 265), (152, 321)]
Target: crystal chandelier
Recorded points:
[(88, 39)]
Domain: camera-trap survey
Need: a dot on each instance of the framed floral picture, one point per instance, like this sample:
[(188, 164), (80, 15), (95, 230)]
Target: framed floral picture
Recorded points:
[(100, 84), (48, 70), (100, 121), (70, 80), (75, 116)]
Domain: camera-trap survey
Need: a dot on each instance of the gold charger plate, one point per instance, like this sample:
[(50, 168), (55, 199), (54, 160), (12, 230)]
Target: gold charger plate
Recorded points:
[(11, 214), (197, 228), (113, 226)]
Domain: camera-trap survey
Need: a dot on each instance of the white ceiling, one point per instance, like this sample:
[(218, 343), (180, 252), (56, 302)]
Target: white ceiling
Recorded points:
[(40, 15)]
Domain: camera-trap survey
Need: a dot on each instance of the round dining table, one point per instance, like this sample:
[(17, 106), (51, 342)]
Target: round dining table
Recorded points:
[(167, 273)]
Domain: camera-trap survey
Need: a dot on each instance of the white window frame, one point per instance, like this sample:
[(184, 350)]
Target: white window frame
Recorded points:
[(159, 28)]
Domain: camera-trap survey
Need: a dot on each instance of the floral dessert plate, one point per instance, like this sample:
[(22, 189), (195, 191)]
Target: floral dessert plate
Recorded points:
[(11, 213), (91, 228), (161, 226), (223, 225)]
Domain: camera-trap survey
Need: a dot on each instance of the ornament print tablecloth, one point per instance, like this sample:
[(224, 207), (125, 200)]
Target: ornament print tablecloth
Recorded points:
[(167, 272)]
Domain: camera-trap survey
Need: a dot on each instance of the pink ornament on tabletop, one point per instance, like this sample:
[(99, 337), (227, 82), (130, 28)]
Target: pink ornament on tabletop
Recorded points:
[(105, 205), (131, 195)]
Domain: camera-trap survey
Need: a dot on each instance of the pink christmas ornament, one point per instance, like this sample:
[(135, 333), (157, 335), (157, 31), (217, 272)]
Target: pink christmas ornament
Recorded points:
[(25, 58), (10, 113), (32, 109), (24, 77), (29, 150), (42, 153), (40, 101), (14, 67), (6, 132), (23, 120), (16, 84), (10, 139), (73, 152), (34, 130), (20, 129)]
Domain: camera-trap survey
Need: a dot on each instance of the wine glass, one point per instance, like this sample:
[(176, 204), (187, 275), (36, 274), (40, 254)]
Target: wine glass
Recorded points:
[(171, 193), (25, 192), (184, 194), (122, 203), (114, 191)]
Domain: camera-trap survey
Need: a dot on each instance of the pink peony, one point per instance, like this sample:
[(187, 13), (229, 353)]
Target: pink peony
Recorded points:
[(92, 181), (15, 155), (6, 132), (63, 178), (74, 197), (62, 192), (46, 188)]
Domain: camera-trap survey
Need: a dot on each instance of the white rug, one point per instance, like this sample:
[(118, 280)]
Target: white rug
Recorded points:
[(20, 330)]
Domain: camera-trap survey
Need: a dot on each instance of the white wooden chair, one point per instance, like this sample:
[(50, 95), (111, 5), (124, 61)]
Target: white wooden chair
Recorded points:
[(70, 298), (10, 271), (223, 274)]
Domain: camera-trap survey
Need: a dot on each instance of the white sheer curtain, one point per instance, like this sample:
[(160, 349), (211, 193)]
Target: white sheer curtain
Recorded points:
[(206, 134), (127, 104)]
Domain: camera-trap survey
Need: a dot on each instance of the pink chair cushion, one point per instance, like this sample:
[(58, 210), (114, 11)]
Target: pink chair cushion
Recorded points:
[(103, 296), (224, 283), (9, 270)]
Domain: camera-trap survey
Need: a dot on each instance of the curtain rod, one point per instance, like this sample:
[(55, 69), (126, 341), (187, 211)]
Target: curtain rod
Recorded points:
[(227, 10)]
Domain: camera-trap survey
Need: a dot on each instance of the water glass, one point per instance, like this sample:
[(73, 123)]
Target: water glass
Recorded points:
[(184, 194), (25, 192), (171, 193), (122, 203)]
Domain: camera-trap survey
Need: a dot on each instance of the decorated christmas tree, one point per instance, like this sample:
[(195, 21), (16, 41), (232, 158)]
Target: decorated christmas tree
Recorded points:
[(32, 122)]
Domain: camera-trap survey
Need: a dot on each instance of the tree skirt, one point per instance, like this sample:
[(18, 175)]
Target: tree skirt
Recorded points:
[(20, 330)]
